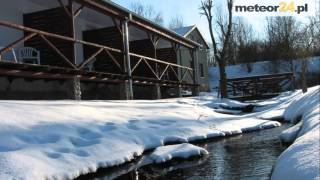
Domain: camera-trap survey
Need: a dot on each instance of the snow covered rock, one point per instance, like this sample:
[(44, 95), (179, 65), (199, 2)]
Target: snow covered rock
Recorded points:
[(163, 154)]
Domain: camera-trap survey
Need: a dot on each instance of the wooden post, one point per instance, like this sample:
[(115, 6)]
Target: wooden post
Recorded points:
[(128, 89), (177, 50), (75, 82), (157, 88), (179, 91), (194, 56)]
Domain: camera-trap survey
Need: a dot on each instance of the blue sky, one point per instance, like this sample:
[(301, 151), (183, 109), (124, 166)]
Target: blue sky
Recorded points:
[(189, 10)]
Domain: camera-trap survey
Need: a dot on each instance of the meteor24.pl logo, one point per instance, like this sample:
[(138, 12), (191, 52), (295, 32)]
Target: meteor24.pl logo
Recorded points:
[(274, 8)]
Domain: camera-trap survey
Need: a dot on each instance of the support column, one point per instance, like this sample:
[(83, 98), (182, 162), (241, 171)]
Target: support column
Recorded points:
[(179, 91), (157, 88), (75, 82), (194, 55), (177, 51), (127, 88), (156, 91), (75, 88)]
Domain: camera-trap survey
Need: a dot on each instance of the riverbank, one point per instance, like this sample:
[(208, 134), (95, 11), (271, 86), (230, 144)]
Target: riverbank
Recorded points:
[(302, 159), (244, 156), (64, 139)]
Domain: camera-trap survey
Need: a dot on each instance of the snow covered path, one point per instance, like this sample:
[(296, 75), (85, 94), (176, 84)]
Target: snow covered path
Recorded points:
[(63, 139)]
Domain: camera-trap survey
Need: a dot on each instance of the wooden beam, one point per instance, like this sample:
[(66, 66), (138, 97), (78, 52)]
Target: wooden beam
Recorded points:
[(78, 11), (136, 65), (152, 70), (175, 73), (58, 52), (114, 59), (116, 25), (65, 9), (139, 23), (12, 45), (159, 61), (87, 61), (183, 75), (164, 71), (104, 8), (154, 39), (19, 27), (73, 31)]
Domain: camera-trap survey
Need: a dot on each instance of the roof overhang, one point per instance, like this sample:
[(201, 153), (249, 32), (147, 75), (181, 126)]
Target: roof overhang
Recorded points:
[(114, 10)]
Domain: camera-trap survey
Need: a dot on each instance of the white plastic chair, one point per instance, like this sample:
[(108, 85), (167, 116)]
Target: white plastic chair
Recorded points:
[(9, 55), (27, 54)]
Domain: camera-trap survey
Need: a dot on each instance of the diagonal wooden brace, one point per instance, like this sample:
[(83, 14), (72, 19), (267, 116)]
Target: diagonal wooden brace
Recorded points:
[(58, 52)]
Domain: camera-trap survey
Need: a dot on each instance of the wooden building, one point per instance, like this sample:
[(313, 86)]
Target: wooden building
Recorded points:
[(193, 33), (90, 49)]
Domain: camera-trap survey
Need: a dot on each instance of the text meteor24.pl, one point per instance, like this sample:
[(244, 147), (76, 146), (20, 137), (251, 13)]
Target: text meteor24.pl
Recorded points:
[(283, 7)]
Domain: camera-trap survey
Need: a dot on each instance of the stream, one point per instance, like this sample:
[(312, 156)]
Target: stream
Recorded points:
[(246, 156)]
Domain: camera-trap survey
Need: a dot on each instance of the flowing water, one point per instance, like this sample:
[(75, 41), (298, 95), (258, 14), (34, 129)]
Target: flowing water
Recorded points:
[(246, 156)]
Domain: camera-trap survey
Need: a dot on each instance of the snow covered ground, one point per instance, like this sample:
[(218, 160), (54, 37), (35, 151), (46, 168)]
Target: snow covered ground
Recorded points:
[(64, 139), (302, 159)]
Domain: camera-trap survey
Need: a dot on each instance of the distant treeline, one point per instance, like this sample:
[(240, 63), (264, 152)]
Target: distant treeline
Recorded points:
[(285, 39)]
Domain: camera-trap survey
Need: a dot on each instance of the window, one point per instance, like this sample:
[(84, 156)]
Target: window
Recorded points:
[(201, 70)]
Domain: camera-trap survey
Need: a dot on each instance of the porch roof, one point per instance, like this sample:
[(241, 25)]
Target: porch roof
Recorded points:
[(120, 12)]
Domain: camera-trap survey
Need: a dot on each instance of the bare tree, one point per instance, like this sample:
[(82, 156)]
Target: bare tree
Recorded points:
[(242, 39), (220, 50), (281, 40), (308, 43), (148, 12), (313, 31), (176, 22)]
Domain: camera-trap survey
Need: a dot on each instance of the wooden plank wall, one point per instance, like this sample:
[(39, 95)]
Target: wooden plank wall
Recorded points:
[(51, 21), (110, 37)]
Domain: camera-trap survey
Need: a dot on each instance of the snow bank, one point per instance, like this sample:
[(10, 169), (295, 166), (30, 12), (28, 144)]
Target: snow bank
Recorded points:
[(166, 153), (301, 160), (63, 139)]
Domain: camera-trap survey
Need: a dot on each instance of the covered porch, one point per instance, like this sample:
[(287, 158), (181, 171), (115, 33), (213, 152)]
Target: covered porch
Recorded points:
[(92, 42)]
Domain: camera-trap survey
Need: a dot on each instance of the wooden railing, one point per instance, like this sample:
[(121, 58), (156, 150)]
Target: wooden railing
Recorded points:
[(101, 48), (256, 86)]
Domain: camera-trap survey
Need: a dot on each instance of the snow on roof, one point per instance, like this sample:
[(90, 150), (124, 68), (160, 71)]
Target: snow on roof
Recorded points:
[(183, 30)]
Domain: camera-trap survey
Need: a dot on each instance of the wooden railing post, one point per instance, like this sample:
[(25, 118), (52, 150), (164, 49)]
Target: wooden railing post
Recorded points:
[(194, 56), (128, 89)]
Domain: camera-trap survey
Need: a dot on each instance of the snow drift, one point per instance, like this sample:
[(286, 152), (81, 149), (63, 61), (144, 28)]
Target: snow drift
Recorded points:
[(301, 160)]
